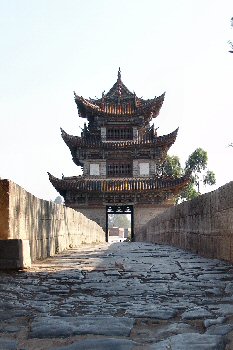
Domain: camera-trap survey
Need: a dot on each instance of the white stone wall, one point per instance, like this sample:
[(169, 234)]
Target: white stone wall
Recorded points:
[(135, 133), (103, 134), (94, 164), (144, 168), (140, 167), (94, 169)]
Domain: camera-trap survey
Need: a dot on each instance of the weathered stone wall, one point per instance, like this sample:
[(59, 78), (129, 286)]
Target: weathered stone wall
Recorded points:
[(142, 214), (203, 225), (49, 227), (4, 209), (96, 214)]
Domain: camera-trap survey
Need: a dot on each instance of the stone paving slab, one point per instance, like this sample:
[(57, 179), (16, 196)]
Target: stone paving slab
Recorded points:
[(118, 297), (100, 344), (52, 327), (196, 313), (8, 344), (191, 341)]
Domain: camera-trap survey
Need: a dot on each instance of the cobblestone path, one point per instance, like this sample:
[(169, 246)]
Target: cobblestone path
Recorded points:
[(118, 297)]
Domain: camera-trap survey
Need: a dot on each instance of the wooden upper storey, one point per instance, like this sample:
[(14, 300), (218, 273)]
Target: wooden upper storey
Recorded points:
[(119, 105), (147, 146)]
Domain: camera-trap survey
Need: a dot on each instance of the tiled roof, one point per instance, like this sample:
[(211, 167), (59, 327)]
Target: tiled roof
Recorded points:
[(119, 101), (147, 140), (151, 184)]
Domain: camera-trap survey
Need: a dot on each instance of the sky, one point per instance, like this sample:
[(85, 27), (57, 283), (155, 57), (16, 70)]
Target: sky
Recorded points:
[(50, 48)]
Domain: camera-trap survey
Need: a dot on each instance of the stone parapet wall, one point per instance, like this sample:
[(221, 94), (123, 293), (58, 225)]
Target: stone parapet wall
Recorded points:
[(96, 214), (49, 227), (142, 214), (203, 225), (4, 209)]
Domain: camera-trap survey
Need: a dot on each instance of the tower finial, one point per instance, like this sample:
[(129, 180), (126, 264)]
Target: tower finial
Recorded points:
[(119, 74), (119, 82)]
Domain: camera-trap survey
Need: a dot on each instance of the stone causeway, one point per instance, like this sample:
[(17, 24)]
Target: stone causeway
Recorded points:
[(118, 296)]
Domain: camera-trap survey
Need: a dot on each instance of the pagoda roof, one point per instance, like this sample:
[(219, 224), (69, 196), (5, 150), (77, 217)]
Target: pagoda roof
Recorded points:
[(118, 90), (74, 142), (137, 185), (119, 101)]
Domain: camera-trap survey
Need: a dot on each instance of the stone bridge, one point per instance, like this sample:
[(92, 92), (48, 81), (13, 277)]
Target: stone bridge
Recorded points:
[(86, 294), (118, 297)]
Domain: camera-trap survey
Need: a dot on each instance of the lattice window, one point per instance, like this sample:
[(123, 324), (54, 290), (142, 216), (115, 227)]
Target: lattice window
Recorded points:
[(119, 134), (119, 170)]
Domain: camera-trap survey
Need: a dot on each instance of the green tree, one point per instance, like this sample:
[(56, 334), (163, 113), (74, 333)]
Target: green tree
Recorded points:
[(195, 165), (209, 178), (230, 42), (188, 193), (172, 166), (118, 220), (58, 200)]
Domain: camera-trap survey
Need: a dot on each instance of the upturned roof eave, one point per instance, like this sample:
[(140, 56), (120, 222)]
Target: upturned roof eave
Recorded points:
[(149, 109), (71, 142), (104, 185), (77, 141)]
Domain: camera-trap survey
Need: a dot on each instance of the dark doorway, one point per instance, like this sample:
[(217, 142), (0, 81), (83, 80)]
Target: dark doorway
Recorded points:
[(120, 210)]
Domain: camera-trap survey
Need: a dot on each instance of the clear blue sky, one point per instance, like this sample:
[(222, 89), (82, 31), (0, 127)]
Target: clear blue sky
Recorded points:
[(51, 47)]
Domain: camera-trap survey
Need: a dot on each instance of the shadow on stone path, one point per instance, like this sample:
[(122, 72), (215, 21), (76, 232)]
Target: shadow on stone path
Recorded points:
[(118, 297)]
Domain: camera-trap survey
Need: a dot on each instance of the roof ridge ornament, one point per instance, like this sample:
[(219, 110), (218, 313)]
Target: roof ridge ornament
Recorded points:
[(119, 75), (119, 82)]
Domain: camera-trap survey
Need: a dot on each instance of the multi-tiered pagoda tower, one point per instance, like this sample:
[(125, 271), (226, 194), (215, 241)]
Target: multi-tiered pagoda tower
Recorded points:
[(122, 158)]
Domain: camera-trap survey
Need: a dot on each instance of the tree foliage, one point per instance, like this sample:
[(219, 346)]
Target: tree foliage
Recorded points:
[(230, 42), (58, 200), (209, 178), (119, 220), (197, 161), (188, 193), (172, 166), (196, 165)]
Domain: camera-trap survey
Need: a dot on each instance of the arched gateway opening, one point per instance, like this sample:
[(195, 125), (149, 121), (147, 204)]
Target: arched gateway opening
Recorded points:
[(127, 210)]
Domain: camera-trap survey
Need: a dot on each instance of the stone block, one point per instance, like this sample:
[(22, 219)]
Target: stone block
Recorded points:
[(223, 248), (14, 254), (4, 209), (225, 198)]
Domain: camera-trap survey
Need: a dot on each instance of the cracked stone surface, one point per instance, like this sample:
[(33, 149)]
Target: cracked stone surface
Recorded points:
[(118, 296), (191, 341)]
